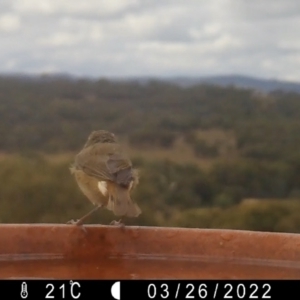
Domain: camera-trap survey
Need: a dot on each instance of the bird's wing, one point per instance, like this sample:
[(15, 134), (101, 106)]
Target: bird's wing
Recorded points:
[(120, 166), (105, 162)]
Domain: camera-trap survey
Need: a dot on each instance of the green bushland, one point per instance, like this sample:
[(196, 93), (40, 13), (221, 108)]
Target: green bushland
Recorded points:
[(35, 189), (201, 151)]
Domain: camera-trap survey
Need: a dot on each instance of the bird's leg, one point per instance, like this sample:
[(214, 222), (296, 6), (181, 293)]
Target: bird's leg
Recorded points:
[(81, 220), (117, 223)]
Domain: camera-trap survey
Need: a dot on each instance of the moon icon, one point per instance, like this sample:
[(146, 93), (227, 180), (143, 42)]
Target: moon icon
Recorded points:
[(115, 290)]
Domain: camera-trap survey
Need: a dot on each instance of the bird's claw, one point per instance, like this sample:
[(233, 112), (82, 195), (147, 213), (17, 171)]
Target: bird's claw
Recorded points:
[(72, 222), (117, 223), (77, 223)]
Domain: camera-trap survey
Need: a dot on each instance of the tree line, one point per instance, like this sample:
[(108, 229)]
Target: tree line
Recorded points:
[(211, 150)]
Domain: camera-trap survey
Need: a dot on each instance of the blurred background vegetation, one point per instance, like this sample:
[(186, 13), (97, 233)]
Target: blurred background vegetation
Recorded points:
[(209, 157)]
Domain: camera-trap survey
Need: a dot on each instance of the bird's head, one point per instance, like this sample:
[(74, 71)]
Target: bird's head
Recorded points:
[(100, 136)]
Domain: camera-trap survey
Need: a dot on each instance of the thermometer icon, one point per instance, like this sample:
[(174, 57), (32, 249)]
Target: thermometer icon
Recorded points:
[(24, 292)]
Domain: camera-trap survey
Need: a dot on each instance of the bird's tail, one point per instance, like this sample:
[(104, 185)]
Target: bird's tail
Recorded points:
[(121, 204)]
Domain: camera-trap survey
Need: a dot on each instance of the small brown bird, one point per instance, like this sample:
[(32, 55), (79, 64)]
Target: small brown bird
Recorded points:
[(105, 176)]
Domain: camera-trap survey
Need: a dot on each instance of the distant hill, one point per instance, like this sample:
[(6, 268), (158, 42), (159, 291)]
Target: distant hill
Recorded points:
[(263, 85), (238, 81)]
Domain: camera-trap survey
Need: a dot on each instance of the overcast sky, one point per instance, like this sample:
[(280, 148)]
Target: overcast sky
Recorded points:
[(151, 37)]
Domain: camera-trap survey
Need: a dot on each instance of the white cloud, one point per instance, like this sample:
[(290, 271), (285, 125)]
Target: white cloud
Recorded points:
[(10, 65), (147, 37), (60, 39), (69, 7), (9, 23)]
